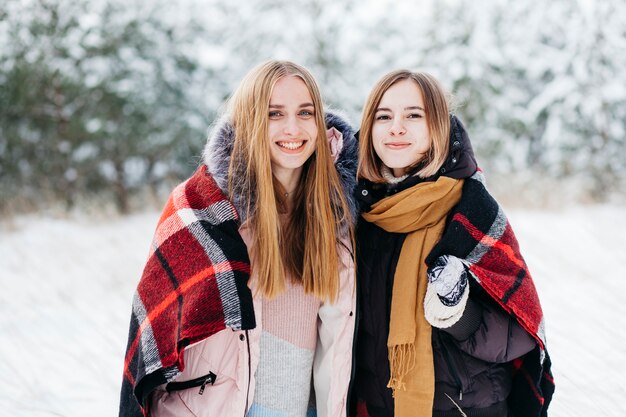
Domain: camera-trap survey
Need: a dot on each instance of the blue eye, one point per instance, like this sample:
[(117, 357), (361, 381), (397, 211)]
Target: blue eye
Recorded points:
[(307, 113), (274, 114)]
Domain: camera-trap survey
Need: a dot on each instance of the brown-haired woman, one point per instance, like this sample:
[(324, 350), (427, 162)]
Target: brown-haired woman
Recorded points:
[(246, 303), (450, 321)]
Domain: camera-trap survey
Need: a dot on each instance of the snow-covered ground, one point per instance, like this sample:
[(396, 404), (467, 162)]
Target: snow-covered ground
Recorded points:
[(66, 288)]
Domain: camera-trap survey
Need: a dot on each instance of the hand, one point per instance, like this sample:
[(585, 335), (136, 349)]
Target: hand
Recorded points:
[(448, 277)]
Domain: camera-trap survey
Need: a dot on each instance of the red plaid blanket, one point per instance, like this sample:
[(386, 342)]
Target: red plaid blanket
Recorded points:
[(479, 233), (194, 284)]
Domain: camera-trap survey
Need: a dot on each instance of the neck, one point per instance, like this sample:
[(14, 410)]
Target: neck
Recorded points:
[(393, 176), (289, 179), (399, 172)]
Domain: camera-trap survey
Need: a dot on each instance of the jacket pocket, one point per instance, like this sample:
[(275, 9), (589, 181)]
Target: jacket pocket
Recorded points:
[(208, 384)]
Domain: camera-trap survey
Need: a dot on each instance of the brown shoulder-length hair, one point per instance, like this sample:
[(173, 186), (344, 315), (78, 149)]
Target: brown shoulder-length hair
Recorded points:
[(306, 245), (437, 118)]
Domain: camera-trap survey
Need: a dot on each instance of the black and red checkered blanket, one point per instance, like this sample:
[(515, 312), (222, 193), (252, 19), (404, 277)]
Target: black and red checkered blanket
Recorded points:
[(479, 234), (194, 284)]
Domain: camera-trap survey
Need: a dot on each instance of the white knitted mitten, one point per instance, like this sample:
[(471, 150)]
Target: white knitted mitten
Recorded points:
[(447, 291)]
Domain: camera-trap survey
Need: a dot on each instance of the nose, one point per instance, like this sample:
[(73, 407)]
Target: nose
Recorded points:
[(292, 126), (397, 127)]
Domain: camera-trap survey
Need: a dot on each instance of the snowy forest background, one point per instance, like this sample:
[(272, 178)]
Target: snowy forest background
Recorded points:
[(110, 100), (105, 105)]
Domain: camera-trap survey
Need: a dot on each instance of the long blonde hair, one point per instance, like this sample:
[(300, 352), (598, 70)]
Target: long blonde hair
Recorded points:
[(437, 118), (307, 245)]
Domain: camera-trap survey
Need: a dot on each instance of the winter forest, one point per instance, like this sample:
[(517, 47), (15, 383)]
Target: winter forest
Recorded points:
[(105, 105), (112, 99)]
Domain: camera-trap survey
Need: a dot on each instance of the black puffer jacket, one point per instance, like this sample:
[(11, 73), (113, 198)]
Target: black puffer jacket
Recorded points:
[(472, 359)]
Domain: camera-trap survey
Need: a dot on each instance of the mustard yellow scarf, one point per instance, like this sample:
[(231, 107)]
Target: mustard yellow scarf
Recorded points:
[(419, 211)]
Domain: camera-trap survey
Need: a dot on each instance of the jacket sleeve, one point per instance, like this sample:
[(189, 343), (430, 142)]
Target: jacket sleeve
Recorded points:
[(333, 356), (488, 333)]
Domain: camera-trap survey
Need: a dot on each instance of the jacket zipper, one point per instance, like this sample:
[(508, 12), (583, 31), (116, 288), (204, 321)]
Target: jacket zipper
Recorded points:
[(451, 367), (245, 411), (192, 383), (357, 318)]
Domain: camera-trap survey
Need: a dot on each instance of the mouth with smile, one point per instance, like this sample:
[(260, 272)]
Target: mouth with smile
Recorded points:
[(397, 145), (291, 146)]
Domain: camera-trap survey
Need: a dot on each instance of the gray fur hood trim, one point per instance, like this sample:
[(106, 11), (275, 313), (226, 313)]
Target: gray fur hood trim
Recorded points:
[(219, 147)]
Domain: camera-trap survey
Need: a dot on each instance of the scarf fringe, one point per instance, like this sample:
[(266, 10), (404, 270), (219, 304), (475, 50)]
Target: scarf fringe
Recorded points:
[(401, 362)]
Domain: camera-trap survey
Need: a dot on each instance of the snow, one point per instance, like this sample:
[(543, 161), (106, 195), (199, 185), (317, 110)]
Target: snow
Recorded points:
[(576, 258), (68, 284)]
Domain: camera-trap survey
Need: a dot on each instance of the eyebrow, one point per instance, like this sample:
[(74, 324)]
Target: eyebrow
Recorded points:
[(280, 106), (406, 108)]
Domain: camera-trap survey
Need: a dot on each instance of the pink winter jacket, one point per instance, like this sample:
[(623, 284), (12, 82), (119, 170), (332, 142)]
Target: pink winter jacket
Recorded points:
[(233, 356)]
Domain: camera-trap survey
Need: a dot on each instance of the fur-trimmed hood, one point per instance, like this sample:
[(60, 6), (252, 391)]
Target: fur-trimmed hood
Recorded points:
[(219, 148)]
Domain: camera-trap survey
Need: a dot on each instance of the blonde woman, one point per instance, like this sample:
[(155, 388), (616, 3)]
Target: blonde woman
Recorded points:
[(246, 304), (451, 323)]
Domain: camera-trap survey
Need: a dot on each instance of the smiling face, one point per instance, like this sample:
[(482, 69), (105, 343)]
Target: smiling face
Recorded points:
[(292, 129), (400, 133)]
